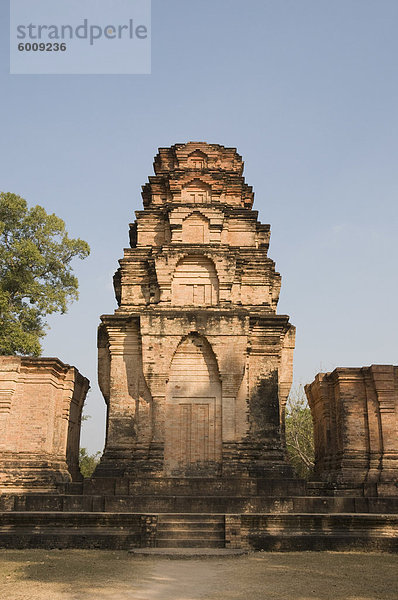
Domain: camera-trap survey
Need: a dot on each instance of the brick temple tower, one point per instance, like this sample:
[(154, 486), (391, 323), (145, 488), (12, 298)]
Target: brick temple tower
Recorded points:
[(195, 365)]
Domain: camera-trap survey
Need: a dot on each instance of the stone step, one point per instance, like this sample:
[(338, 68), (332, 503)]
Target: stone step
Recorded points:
[(194, 486), (205, 534), (290, 531), (193, 526), (190, 530), (198, 518), (195, 504), (190, 543), (188, 552)]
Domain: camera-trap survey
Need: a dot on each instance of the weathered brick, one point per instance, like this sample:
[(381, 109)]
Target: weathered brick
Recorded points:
[(355, 413), (195, 365), (41, 400)]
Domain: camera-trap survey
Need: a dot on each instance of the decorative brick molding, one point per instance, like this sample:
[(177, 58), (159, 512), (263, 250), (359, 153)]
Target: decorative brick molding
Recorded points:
[(41, 401)]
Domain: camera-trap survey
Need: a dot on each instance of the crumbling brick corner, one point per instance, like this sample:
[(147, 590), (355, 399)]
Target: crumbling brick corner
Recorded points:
[(41, 401)]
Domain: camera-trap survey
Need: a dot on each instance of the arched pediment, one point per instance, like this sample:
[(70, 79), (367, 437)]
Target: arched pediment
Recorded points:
[(196, 192), (195, 229), (197, 160), (195, 282), (195, 348)]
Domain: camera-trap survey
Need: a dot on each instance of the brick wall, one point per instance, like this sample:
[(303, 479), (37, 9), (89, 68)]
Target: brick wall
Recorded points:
[(355, 413), (41, 400)]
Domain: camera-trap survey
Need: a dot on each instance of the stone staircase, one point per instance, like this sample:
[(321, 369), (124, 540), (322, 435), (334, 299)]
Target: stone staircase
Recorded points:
[(190, 531), (272, 532), (218, 514)]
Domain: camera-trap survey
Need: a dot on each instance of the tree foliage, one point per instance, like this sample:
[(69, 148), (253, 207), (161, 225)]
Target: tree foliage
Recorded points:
[(88, 462), (36, 278), (299, 433)]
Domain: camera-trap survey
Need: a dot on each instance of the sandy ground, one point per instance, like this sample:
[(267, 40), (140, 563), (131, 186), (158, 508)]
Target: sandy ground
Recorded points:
[(101, 575)]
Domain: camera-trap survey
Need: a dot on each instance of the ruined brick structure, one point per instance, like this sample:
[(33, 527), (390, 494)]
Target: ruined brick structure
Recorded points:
[(41, 400), (355, 413), (195, 365)]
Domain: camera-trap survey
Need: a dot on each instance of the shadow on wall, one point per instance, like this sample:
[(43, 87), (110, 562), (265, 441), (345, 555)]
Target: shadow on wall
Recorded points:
[(264, 405)]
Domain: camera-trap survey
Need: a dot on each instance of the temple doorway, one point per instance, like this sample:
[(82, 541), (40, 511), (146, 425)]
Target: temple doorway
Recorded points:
[(193, 411)]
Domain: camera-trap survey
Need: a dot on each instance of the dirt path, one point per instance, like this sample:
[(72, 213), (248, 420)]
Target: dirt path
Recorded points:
[(99, 575)]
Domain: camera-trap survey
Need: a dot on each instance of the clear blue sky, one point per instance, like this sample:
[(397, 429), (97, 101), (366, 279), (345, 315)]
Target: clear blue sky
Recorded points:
[(307, 90)]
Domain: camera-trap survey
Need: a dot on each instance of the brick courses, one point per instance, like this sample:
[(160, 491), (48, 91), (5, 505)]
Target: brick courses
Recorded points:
[(355, 413), (195, 365), (41, 400)]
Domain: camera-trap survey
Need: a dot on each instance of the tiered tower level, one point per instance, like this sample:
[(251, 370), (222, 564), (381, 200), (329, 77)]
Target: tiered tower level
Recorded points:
[(195, 364)]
